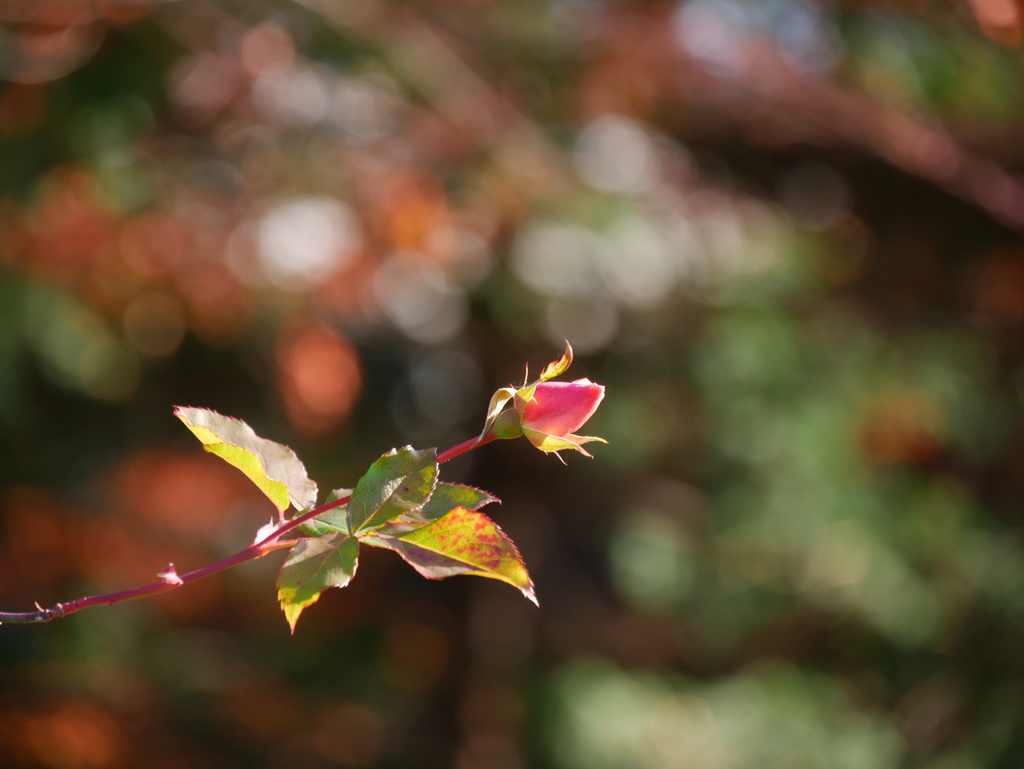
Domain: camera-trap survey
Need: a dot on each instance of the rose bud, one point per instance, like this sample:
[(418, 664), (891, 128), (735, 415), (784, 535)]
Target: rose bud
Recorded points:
[(545, 412), (550, 412)]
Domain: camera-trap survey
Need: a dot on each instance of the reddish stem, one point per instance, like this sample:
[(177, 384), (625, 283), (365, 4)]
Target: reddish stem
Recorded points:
[(289, 525), (465, 446), (63, 609), (266, 545)]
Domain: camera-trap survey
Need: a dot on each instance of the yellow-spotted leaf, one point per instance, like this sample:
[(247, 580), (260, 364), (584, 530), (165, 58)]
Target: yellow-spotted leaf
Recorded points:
[(462, 542)]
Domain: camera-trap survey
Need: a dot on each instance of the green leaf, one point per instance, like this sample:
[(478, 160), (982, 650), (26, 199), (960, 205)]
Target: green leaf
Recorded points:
[(446, 497), (274, 468), (462, 542), (335, 519), (312, 566), (400, 481), (559, 366)]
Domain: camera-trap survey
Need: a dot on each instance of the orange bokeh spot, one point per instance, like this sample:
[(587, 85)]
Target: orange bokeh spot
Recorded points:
[(65, 735), (1000, 20), (190, 496), (114, 554), (166, 507), (118, 13), (414, 209), (265, 48), (72, 228), (152, 243), (320, 379)]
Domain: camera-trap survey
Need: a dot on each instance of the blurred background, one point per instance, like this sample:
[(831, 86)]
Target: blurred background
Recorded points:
[(786, 234)]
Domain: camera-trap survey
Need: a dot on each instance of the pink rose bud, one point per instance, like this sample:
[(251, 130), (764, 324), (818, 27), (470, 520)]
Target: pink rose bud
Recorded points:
[(545, 412), (549, 413)]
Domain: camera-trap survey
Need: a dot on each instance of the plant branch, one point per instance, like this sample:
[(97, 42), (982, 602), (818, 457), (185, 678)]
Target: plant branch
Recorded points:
[(170, 580), (465, 446), (287, 526)]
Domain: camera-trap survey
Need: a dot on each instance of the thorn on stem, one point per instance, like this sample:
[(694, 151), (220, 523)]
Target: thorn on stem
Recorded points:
[(170, 576)]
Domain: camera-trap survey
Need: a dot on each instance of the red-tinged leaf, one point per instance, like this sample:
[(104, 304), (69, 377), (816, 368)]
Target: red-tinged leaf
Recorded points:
[(446, 497), (558, 367), (400, 481), (273, 467), (462, 542), (312, 566)]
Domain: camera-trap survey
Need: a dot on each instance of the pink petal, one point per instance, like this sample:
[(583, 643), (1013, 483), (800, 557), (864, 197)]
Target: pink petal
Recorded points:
[(559, 408)]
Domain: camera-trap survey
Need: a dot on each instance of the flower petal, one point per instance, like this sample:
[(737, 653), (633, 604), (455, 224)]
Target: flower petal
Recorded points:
[(558, 408)]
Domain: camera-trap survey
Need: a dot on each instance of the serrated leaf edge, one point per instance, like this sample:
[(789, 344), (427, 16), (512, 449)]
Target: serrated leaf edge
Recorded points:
[(527, 591), (298, 504), (293, 611)]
